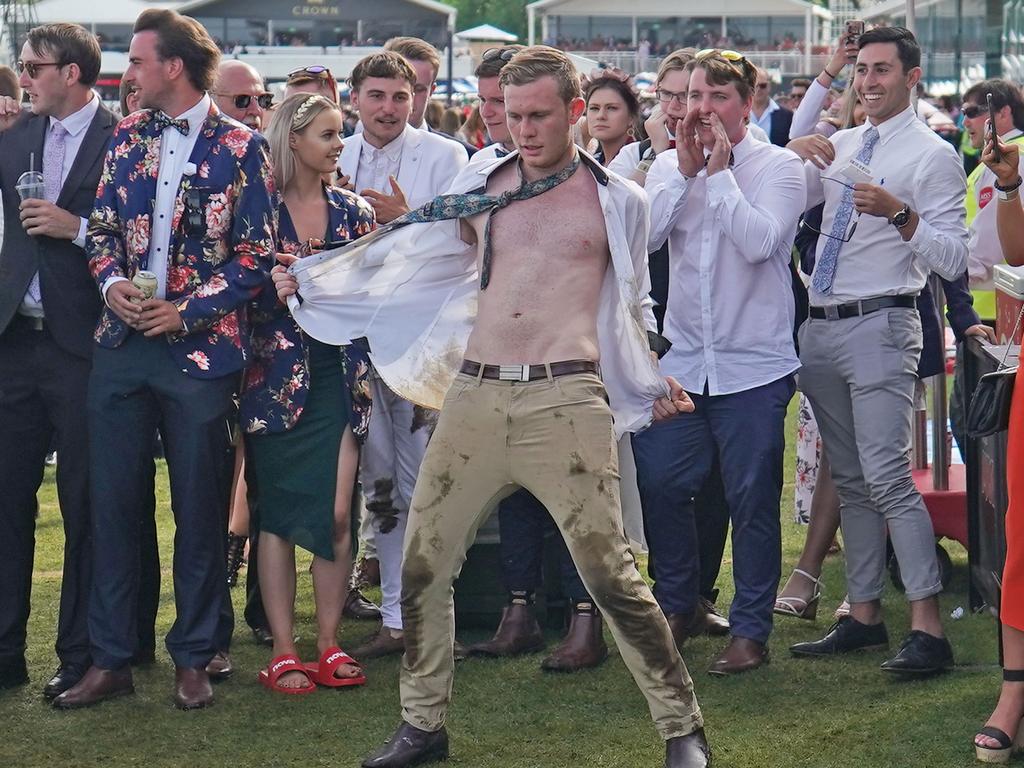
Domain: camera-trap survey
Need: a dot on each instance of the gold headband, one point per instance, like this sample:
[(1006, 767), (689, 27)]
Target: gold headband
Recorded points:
[(302, 110)]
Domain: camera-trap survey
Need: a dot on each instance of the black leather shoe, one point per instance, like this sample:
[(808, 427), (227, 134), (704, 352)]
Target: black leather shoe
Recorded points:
[(845, 636), (690, 751), (921, 655), (66, 676), (358, 607), (13, 674), (262, 636), (410, 746)]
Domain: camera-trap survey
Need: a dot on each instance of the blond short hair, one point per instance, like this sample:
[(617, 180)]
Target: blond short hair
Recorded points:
[(293, 116), (414, 49), (537, 61), (675, 62)]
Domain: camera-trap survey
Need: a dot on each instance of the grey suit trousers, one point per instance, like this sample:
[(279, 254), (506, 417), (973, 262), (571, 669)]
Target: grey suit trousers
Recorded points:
[(859, 374)]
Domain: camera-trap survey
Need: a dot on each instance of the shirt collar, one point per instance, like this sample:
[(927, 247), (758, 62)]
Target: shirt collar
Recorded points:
[(893, 125), (773, 106), (741, 150), (393, 149), (196, 115), (78, 121), (1011, 134)]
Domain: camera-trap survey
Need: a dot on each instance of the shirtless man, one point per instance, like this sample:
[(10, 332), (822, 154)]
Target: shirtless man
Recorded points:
[(530, 410)]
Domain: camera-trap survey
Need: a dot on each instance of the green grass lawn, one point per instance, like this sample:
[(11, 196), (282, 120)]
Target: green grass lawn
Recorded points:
[(508, 713)]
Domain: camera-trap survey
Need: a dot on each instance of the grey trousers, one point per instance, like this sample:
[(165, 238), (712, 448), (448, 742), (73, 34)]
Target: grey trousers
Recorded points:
[(859, 374)]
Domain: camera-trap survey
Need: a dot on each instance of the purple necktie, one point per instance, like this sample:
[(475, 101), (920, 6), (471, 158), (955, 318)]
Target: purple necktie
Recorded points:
[(53, 168)]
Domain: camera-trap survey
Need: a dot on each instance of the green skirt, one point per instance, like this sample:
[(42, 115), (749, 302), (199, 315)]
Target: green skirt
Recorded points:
[(296, 471)]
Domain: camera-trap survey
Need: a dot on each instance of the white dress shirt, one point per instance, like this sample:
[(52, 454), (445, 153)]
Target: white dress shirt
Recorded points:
[(764, 122), (76, 125), (730, 300), (377, 165), (808, 114), (920, 169), (175, 150)]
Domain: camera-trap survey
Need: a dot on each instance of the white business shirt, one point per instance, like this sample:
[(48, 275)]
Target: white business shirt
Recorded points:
[(920, 169), (730, 301), (764, 122), (76, 124), (377, 165), (175, 150)]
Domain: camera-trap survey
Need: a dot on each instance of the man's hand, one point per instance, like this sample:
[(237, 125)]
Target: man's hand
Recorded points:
[(159, 316), (119, 299), (876, 201), (845, 52), (1006, 167), (343, 181), (41, 217), (656, 131), (9, 111), (676, 402), (721, 151), (284, 283), (815, 148), (982, 331), (387, 207), (689, 150)]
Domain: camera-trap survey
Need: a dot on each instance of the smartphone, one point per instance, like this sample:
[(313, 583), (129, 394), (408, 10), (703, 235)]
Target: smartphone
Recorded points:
[(854, 29), (993, 137)]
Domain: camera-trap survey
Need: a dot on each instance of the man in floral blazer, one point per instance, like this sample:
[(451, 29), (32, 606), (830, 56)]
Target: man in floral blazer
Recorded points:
[(187, 195)]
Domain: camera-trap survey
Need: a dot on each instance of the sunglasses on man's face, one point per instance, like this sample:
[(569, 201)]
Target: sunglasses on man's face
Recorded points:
[(243, 100), (33, 67), (971, 111)]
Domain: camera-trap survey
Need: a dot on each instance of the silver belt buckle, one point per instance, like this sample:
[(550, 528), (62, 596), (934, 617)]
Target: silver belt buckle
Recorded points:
[(513, 373), (831, 311)]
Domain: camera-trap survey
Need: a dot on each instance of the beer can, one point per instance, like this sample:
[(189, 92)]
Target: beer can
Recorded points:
[(145, 282)]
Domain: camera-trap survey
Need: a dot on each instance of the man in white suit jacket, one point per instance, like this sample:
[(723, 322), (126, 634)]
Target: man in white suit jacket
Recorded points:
[(396, 167)]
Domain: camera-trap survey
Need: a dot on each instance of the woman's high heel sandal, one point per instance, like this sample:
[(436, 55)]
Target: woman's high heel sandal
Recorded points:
[(797, 607), (235, 555), (1008, 746)]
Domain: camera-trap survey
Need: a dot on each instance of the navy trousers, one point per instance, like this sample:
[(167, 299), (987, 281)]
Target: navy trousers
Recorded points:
[(522, 523), (746, 431), (132, 389)]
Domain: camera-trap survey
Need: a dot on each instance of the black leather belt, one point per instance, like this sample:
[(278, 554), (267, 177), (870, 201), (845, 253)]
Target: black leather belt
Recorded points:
[(530, 372), (862, 307)]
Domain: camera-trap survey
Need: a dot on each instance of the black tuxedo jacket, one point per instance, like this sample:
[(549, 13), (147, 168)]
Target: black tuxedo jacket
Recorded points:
[(71, 301)]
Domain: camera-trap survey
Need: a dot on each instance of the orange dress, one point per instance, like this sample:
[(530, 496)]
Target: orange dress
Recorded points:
[(1011, 611)]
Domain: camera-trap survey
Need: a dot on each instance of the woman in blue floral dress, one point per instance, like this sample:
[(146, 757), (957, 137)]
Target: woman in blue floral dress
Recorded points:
[(305, 408)]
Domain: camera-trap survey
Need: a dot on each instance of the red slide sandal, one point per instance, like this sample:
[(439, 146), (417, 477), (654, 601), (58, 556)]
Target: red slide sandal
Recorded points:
[(323, 671), (288, 662)]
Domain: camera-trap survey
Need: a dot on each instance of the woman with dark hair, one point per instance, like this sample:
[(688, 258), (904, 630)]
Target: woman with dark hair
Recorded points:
[(612, 114)]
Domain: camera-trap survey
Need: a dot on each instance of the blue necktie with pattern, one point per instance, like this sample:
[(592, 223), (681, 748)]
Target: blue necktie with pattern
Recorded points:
[(825, 269)]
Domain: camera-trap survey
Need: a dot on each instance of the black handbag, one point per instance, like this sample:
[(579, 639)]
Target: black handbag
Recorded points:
[(989, 411)]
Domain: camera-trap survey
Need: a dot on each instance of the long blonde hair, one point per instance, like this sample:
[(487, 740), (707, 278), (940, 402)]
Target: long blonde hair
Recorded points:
[(293, 116)]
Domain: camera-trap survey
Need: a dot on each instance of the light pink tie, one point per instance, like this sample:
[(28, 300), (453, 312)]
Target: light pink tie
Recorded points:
[(53, 168)]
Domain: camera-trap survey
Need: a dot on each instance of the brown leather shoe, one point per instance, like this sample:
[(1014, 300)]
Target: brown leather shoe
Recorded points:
[(518, 633), (358, 607), (220, 667), (715, 624), (95, 686), (583, 646), (741, 655), (192, 688), (381, 643)]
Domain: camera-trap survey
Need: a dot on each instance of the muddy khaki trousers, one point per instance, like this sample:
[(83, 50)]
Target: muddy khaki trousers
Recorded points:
[(553, 437)]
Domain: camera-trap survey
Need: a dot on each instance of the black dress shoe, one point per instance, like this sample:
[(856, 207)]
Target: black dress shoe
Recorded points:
[(262, 636), (66, 677), (410, 746), (921, 655), (13, 674), (845, 636), (690, 751)]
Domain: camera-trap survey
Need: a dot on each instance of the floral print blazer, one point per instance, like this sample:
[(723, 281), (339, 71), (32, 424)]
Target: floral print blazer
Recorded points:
[(275, 385), (217, 263)]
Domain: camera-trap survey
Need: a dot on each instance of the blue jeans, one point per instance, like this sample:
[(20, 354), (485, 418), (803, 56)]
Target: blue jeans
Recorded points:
[(746, 430)]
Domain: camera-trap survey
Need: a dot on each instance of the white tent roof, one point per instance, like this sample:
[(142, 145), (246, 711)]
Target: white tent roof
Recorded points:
[(87, 13), (486, 32), (676, 8)]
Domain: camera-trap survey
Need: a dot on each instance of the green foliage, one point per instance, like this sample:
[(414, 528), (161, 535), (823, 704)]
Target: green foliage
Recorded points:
[(509, 15)]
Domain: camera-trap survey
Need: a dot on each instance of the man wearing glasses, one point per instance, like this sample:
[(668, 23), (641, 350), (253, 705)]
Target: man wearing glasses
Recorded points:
[(49, 307), (728, 206), (904, 191), (766, 113), (239, 93)]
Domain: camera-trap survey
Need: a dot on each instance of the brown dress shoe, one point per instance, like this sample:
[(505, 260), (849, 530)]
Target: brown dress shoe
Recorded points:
[(741, 655), (583, 646), (95, 686), (715, 624), (518, 633), (381, 643), (192, 688), (220, 667), (358, 607)]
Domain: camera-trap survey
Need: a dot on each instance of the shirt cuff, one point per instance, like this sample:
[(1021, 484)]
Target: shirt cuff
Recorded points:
[(80, 240), (109, 282)]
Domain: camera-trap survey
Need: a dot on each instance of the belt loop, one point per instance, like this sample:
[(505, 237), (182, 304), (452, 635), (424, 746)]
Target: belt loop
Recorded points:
[(547, 371), (480, 374)]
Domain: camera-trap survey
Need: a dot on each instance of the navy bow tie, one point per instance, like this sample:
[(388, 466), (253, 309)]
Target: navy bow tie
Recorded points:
[(162, 120)]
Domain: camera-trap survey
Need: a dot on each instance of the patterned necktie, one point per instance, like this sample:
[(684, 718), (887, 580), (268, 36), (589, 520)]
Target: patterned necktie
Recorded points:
[(162, 120), (53, 169), (825, 269), (469, 204)]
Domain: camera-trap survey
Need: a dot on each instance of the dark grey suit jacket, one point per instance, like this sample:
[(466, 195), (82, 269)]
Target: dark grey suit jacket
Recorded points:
[(71, 301)]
